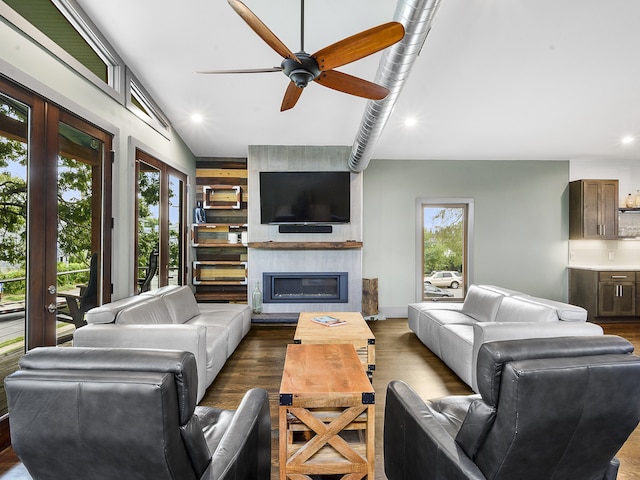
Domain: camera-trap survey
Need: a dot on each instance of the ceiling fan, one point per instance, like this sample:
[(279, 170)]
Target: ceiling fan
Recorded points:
[(302, 68)]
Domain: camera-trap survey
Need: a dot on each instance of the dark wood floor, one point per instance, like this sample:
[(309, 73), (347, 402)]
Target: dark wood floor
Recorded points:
[(258, 362)]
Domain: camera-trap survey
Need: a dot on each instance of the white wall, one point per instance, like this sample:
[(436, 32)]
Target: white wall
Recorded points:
[(28, 64), (521, 224)]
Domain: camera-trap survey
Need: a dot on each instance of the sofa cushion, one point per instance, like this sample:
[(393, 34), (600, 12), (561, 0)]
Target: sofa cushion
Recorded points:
[(481, 303), (181, 304), (151, 311), (507, 292), (231, 322), (520, 309), (428, 322), (108, 312), (565, 311), (456, 345)]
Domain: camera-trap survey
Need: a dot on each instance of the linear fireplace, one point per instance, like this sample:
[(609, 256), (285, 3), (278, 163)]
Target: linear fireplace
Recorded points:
[(305, 287)]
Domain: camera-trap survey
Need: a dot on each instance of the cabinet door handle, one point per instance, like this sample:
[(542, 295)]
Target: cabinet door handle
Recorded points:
[(618, 276)]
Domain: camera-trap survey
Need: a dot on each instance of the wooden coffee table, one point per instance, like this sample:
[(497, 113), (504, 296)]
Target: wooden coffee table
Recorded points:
[(355, 331), (327, 414)]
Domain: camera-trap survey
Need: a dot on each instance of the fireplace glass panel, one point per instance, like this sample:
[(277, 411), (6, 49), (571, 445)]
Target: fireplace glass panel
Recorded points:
[(305, 287)]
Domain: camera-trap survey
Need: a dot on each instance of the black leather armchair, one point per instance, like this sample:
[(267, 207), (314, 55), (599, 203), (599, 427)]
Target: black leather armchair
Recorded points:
[(80, 413), (555, 408)]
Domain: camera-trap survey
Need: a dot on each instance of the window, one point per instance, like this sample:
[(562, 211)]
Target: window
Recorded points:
[(161, 223), (143, 106), (445, 232), (69, 29)]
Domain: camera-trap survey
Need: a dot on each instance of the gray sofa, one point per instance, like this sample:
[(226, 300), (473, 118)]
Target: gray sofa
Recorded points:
[(456, 331), (170, 318)]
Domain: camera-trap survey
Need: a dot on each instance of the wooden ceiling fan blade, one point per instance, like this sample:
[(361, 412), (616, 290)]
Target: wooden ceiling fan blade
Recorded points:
[(242, 70), (261, 29), (352, 85), (359, 45), (291, 97)]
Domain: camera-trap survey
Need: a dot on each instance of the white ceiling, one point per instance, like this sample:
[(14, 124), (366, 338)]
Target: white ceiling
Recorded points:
[(496, 79)]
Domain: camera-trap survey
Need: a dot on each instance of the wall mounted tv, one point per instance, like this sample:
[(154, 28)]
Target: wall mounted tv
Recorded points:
[(305, 198)]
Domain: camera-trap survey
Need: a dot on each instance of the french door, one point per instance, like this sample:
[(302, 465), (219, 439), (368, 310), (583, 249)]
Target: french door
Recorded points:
[(161, 222), (55, 212)]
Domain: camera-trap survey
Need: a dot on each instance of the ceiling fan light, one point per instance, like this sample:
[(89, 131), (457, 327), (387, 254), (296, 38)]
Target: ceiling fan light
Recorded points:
[(301, 77)]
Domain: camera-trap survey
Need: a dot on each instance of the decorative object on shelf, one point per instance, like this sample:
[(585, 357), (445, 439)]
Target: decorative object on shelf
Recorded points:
[(637, 200), (256, 299), (199, 215), (630, 202), (225, 197)]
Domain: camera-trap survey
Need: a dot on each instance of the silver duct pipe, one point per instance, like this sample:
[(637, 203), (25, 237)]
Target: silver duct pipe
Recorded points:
[(394, 68)]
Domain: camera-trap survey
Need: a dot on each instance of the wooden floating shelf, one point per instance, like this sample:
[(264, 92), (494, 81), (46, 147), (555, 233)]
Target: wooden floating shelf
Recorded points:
[(305, 245)]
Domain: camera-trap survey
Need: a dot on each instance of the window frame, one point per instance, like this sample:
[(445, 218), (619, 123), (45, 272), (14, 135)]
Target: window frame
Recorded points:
[(421, 203)]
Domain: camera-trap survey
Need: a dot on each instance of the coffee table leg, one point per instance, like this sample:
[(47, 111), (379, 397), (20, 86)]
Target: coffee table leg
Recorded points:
[(283, 433)]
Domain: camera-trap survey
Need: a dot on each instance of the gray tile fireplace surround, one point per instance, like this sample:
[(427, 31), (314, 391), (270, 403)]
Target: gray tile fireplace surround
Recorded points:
[(260, 260)]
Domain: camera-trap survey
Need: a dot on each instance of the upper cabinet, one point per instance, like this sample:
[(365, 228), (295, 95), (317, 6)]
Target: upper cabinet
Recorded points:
[(593, 209)]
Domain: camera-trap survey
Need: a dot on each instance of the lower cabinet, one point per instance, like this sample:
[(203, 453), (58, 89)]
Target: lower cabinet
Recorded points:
[(604, 293)]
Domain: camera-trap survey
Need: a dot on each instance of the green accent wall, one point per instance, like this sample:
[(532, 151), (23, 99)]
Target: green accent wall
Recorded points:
[(521, 223)]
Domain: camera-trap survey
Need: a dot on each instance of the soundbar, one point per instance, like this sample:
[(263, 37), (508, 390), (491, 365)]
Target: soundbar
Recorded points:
[(305, 228)]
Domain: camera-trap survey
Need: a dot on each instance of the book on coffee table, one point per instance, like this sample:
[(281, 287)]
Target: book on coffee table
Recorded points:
[(328, 321)]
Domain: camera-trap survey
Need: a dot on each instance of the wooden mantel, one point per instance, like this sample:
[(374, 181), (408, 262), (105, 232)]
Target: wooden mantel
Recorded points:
[(306, 245)]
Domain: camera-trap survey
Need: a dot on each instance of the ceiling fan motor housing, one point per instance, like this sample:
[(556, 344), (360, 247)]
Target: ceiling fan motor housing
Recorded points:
[(303, 72)]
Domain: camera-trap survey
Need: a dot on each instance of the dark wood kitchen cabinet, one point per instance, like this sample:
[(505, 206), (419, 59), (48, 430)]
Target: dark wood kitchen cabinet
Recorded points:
[(617, 294), (593, 209), (604, 294)]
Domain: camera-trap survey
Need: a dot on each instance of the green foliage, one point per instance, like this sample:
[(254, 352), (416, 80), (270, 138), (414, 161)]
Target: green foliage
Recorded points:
[(17, 287), (74, 209), (444, 241), (148, 211), (67, 281), (13, 202)]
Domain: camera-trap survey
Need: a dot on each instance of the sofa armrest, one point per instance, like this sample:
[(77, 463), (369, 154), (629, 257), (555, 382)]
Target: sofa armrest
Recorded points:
[(186, 338), (416, 445), (484, 332), (244, 452)]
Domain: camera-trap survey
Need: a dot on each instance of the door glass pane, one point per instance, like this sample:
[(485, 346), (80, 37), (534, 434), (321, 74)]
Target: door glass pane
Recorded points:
[(175, 231), (79, 206), (148, 226), (443, 256), (14, 127)]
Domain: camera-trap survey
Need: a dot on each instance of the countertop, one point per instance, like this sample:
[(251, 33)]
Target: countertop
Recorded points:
[(607, 268)]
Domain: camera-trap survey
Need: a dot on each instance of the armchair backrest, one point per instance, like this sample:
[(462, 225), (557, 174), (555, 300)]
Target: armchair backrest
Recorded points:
[(552, 408), (107, 413)]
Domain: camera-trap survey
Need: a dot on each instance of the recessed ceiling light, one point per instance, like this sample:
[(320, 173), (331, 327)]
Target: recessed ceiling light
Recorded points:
[(196, 118), (410, 122), (626, 140)]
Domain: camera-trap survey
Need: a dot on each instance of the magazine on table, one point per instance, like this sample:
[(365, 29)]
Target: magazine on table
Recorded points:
[(328, 321)]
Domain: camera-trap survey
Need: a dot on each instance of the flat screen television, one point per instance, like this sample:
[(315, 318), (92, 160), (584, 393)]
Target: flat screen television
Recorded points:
[(305, 197)]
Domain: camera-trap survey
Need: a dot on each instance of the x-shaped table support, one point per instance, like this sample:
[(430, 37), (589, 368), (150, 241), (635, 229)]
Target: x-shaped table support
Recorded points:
[(328, 434)]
